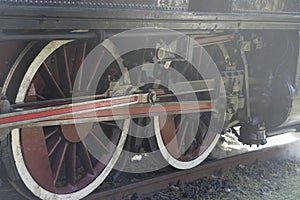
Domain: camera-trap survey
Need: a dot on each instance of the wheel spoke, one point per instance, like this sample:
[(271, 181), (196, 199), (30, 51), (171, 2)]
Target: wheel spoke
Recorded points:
[(41, 97), (85, 158), (52, 145), (99, 143), (71, 164), (179, 123), (79, 59), (201, 133), (52, 79), (95, 71), (181, 136), (58, 161), (67, 70), (191, 137), (51, 133), (109, 124)]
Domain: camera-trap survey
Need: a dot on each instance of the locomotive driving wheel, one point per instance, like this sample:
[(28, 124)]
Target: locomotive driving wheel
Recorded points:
[(54, 162), (186, 139)]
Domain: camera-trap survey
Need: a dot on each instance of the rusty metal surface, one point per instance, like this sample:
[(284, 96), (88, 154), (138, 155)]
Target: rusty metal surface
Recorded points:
[(161, 182)]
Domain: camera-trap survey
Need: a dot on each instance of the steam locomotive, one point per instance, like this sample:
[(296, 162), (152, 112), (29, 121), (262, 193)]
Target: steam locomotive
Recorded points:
[(83, 80)]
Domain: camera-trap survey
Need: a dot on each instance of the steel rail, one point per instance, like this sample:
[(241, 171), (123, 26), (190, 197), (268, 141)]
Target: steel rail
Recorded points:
[(158, 183)]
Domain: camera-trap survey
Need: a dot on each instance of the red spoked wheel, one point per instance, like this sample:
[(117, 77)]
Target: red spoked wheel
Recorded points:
[(186, 139), (54, 162), (183, 140)]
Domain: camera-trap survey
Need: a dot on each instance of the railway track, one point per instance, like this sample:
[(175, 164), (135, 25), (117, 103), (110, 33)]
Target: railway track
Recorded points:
[(157, 181), (210, 167)]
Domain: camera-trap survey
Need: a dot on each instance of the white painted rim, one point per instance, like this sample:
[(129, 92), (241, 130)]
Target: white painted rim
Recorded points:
[(173, 161), (27, 179)]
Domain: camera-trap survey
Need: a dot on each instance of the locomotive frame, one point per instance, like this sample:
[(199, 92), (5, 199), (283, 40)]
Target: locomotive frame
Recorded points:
[(237, 34)]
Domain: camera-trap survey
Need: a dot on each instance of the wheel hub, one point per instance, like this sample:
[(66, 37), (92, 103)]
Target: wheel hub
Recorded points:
[(75, 133)]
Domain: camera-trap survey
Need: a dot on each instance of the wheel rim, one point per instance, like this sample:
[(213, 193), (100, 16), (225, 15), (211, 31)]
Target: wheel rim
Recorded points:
[(185, 140), (63, 168), (184, 153)]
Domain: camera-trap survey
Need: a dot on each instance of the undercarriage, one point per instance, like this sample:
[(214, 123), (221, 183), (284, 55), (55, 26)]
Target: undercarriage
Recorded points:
[(83, 81)]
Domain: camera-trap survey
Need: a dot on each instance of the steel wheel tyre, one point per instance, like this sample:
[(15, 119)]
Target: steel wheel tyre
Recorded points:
[(198, 146), (185, 140), (52, 161)]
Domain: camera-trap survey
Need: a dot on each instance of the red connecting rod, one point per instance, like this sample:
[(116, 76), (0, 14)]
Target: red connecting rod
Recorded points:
[(116, 108)]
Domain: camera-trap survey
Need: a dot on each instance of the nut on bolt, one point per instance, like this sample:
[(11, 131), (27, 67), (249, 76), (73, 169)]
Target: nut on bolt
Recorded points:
[(152, 97), (160, 54)]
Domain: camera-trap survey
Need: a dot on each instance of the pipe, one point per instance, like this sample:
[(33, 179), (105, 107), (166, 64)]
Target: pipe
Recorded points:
[(245, 62), (52, 36)]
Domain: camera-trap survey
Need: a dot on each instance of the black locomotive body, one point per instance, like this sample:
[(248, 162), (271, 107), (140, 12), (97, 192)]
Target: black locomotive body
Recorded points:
[(247, 74)]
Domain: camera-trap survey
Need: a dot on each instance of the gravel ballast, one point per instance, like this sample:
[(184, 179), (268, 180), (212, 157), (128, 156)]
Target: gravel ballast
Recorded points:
[(274, 179)]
